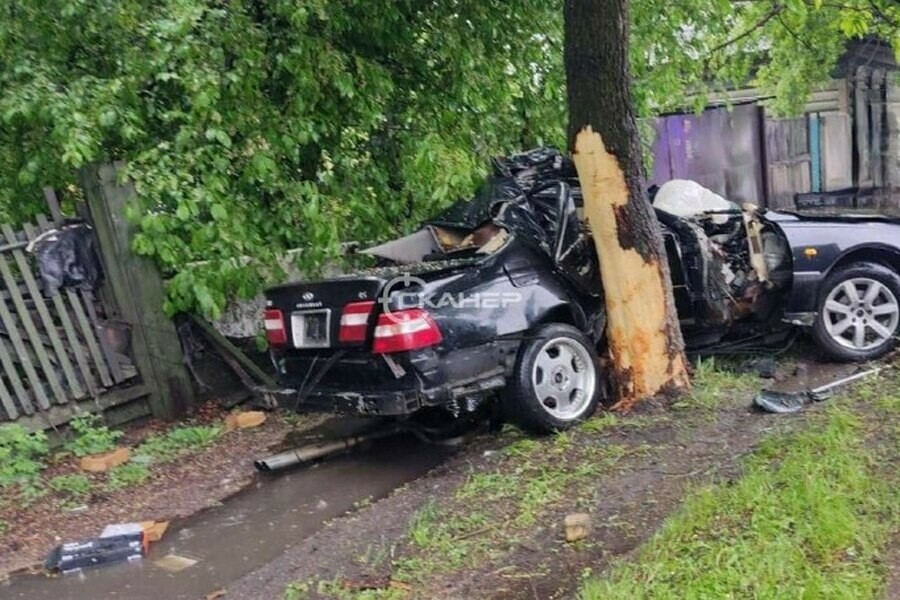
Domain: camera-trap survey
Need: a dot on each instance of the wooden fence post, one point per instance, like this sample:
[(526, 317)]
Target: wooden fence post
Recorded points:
[(136, 287)]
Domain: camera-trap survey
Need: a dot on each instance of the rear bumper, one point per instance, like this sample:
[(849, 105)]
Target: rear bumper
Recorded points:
[(419, 379), (394, 402)]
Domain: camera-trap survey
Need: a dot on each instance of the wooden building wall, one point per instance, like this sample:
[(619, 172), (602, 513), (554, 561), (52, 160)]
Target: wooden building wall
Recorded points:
[(843, 151)]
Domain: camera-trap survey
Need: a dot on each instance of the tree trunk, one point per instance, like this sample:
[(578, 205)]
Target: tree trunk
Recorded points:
[(645, 342)]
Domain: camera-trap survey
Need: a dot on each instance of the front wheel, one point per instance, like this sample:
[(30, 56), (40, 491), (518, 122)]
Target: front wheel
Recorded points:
[(556, 383), (859, 312)]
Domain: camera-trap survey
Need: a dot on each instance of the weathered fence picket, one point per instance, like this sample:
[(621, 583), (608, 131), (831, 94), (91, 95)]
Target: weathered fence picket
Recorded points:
[(11, 330), (108, 349), (50, 350), (59, 352)]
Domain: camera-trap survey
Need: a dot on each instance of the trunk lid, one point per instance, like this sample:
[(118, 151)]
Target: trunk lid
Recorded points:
[(312, 310)]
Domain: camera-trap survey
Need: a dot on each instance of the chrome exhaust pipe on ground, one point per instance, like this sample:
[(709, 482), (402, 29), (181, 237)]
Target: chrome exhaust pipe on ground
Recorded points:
[(315, 451)]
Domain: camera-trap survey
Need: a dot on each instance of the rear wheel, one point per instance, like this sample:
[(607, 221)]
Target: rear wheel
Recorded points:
[(859, 312), (556, 383)]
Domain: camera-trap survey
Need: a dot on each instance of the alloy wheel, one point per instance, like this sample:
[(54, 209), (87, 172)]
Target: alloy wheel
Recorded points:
[(564, 378), (861, 313)]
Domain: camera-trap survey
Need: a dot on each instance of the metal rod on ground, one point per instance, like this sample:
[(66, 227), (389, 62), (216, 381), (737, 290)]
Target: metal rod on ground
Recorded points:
[(850, 379), (306, 454), (788, 402)]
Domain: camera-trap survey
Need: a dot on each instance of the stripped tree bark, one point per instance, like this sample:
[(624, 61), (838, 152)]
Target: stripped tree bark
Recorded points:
[(645, 341)]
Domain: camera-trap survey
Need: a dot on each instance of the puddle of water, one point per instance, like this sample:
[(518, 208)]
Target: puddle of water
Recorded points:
[(246, 532)]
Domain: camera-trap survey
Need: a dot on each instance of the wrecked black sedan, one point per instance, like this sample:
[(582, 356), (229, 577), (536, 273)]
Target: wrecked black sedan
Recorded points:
[(500, 296)]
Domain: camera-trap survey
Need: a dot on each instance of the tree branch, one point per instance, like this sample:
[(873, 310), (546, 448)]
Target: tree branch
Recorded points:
[(882, 15), (794, 34), (776, 10)]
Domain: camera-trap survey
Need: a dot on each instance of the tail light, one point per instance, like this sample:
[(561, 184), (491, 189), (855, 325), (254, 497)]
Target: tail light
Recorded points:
[(405, 330), (355, 321), (275, 330)]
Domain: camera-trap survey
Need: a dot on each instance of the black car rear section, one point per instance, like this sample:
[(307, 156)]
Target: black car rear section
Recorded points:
[(311, 312), (331, 354)]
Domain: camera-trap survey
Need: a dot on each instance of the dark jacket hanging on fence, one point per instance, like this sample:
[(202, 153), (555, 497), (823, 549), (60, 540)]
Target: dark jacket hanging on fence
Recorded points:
[(67, 257)]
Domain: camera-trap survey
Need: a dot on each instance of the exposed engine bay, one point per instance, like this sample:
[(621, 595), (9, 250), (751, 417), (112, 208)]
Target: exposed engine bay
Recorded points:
[(744, 264)]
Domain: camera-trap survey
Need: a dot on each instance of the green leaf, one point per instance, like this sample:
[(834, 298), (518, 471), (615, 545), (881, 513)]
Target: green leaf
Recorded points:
[(218, 212)]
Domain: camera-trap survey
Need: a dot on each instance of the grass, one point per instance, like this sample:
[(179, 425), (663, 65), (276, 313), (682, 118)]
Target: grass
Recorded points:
[(22, 455), (716, 382), (491, 511), (73, 489), (167, 446), (525, 489), (91, 435), (336, 590), (809, 519), (127, 475)]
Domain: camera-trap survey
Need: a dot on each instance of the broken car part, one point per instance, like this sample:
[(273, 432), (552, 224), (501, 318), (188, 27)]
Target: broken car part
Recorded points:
[(316, 451), (74, 556), (788, 402)]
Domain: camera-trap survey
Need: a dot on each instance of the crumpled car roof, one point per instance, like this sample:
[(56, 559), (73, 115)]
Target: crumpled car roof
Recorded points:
[(512, 178)]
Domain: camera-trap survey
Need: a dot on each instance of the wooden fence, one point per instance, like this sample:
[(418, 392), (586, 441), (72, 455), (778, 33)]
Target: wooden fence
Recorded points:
[(71, 350), (51, 348)]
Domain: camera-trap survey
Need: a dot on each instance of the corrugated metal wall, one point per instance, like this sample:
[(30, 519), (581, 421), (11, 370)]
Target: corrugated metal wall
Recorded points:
[(720, 149)]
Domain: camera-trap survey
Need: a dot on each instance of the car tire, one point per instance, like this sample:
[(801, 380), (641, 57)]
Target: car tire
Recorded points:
[(556, 382), (858, 315)]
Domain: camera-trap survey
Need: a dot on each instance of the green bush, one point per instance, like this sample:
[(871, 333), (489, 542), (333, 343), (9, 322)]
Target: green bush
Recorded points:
[(20, 454), (163, 447), (92, 437), (72, 488), (127, 475)]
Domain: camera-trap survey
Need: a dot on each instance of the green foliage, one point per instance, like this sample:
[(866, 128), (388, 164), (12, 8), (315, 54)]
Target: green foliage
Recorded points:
[(73, 488), (20, 455), (91, 435), (164, 447), (601, 422), (127, 475), (336, 589), (684, 48), (809, 519), (252, 127)]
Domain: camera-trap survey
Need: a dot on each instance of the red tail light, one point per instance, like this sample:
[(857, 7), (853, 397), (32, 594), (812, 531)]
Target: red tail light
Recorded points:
[(355, 321), (405, 330), (275, 330)]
